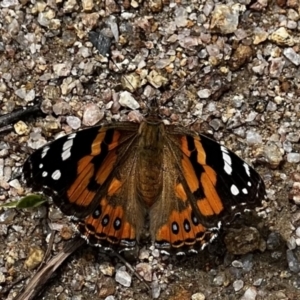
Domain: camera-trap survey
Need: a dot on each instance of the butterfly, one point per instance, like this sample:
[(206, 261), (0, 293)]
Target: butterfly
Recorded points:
[(114, 180)]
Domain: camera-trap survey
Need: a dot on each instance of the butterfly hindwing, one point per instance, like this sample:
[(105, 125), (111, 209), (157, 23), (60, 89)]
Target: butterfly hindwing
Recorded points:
[(118, 219), (173, 223)]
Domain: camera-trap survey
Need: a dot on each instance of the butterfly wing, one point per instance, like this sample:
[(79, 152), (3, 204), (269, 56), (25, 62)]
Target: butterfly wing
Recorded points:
[(86, 174), (204, 182), (174, 226), (219, 180), (118, 218)]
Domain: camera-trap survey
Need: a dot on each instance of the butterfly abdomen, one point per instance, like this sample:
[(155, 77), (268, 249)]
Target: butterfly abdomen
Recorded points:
[(150, 160)]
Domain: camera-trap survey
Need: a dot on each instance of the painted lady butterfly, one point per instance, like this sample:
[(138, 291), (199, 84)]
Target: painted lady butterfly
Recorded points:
[(114, 179)]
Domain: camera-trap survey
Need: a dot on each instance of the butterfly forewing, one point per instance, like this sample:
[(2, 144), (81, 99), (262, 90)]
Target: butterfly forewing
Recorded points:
[(218, 181), (76, 169), (237, 182)]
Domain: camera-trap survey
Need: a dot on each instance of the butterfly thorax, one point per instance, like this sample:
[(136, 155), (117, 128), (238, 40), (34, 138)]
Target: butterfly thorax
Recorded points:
[(150, 161)]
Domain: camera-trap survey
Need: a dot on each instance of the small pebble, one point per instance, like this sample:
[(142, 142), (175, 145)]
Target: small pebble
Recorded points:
[(21, 128), (87, 5), (107, 269), (7, 216), (204, 94), (237, 264), (293, 262), (293, 157), (253, 137), (281, 37), (34, 258), (250, 294), (62, 70), (291, 243), (61, 108), (156, 289), (298, 231), (123, 278), (290, 54), (145, 270), (127, 100), (144, 254), (273, 154), (273, 241), (73, 122), (219, 279), (198, 296), (225, 18), (258, 282), (238, 285), (293, 137), (92, 115)]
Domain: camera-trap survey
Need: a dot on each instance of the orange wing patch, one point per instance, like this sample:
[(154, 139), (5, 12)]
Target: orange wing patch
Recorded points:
[(211, 204), (114, 187), (106, 167), (96, 146), (200, 177), (180, 192), (201, 155), (78, 192), (182, 229), (107, 223), (189, 174)]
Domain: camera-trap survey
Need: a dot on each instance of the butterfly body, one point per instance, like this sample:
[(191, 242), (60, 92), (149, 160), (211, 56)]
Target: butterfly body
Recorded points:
[(113, 178), (150, 153)]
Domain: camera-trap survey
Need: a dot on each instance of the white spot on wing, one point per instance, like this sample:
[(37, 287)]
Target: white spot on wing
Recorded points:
[(71, 136), (117, 223), (56, 175), (44, 151), (193, 251), (249, 183), (203, 246), (228, 169), (164, 252), (186, 227), (245, 191), (67, 145), (247, 169), (97, 213), (223, 149), (65, 155), (227, 160), (174, 227), (234, 190), (41, 166), (67, 149), (44, 174)]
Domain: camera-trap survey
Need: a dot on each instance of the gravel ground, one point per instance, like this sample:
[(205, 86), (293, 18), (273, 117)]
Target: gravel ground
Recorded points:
[(229, 70)]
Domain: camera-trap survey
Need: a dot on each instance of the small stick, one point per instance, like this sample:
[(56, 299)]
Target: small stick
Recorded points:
[(17, 115), (38, 281)]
